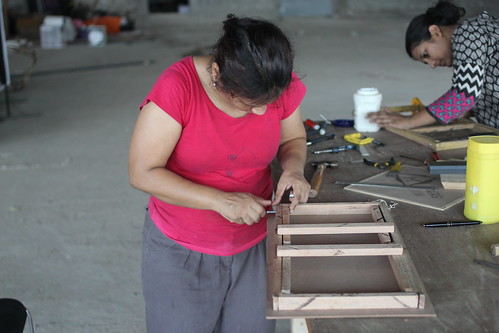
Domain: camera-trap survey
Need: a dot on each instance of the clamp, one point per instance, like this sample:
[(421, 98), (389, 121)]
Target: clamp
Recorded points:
[(358, 139)]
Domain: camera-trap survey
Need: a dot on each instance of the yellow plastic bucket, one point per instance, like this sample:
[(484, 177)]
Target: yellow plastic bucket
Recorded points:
[(481, 200)]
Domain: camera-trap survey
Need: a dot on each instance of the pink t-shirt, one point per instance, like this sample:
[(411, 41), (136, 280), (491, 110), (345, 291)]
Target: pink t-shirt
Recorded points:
[(217, 150)]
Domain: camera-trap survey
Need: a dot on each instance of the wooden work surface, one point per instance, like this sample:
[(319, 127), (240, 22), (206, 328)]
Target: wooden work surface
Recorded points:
[(464, 294)]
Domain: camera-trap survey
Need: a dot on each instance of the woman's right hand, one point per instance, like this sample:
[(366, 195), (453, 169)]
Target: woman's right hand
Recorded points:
[(243, 208), (388, 118)]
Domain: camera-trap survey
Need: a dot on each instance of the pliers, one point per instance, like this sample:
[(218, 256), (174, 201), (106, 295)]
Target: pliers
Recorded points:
[(380, 165)]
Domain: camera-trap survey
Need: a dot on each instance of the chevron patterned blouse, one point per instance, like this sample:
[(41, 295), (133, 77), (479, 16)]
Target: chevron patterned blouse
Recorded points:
[(475, 81)]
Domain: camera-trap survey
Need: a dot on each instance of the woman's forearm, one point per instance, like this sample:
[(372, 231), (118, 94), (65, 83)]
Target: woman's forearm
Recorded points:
[(292, 155), (174, 189)]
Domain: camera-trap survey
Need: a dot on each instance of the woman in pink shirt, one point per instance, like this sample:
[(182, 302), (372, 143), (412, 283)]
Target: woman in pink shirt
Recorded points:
[(202, 147)]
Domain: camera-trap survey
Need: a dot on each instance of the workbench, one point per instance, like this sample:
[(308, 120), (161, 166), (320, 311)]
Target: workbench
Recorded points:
[(464, 294)]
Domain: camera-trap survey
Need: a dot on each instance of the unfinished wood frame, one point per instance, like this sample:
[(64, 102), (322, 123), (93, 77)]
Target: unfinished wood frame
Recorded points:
[(340, 260), (444, 137)]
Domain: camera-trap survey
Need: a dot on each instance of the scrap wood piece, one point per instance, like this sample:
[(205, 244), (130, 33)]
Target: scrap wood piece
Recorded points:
[(339, 250), (347, 301), (334, 228), (494, 249)]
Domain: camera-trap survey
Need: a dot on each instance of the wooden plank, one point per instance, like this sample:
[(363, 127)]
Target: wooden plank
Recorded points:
[(444, 137), (306, 302), (334, 228), (405, 108), (339, 250)]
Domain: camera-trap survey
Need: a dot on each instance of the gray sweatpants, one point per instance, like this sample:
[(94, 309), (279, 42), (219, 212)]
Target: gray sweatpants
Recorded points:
[(191, 292)]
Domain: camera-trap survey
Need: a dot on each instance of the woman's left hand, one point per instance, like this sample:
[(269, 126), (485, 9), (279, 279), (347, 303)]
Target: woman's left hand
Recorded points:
[(296, 182), (388, 118)]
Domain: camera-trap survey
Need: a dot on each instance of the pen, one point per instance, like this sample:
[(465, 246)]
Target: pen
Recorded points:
[(486, 263), (451, 224)]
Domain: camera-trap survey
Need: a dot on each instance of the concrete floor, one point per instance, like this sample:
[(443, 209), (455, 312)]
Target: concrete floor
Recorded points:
[(70, 224)]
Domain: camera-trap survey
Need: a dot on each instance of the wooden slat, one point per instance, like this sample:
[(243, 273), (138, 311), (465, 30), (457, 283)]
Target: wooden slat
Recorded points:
[(331, 250), (334, 228), (405, 271), (274, 263), (306, 302), (383, 213), (336, 208), (286, 275)]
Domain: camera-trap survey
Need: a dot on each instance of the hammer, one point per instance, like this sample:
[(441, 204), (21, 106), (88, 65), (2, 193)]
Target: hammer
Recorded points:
[(318, 175)]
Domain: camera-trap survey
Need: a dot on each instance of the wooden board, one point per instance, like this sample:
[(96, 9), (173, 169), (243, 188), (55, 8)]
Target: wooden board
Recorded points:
[(438, 198), (342, 278), (444, 137)]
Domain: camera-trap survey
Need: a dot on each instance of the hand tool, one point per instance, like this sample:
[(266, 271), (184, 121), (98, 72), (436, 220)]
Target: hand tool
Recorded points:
[(357, 138), (434, 157), (318, 175), (321, 138), (380, 165), (360, 141), (335, 149), (312, 124), (325, 125), (426, 188)]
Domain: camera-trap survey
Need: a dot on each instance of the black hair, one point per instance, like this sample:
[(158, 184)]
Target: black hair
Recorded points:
[(444, 13), (255, 59)]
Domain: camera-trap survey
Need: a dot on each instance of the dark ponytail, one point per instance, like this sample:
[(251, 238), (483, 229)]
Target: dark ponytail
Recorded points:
[(443, 14), (255, 59)]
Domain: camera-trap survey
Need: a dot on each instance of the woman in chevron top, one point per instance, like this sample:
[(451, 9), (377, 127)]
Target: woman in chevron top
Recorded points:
[(471, 48)]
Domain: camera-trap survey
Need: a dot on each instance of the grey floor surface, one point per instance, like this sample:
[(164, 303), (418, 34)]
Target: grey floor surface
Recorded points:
[(70, 224)]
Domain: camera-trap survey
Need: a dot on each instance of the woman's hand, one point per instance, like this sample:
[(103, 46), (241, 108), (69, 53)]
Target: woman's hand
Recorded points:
[(387, 118), (298, 183), (242, 208)]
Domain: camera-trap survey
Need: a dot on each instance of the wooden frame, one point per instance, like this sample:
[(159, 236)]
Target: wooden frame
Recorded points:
[(340, 260), (444, 137)]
